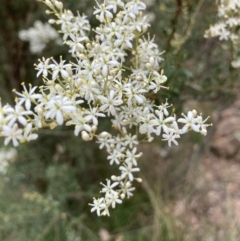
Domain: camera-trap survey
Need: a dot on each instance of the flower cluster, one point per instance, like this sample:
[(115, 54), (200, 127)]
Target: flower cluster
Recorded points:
[(228, 26), (39, 35), (6, 157), (111, 76)]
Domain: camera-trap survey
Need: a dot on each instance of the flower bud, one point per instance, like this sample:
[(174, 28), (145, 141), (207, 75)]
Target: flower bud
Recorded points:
[(69, 70), (53, 125), (51, 21), (48, 3), (99, 71), (145, 27), (40, 111), (119, 179), (114, 178), (59, 88), (94, 129), (112, 146), (104, 134), (104, 213), (194, 112), (112, 72), (120, 15), (163, 78), (96, 48), (59, 5), (94, 84), (138, 179), (139, 78), (85, 136), (99, 30), (82, 56), (151, 61), (150, 139), (88, 45), (122, 196), (50, 83), (148, 65), (79, 82), (203, 132)]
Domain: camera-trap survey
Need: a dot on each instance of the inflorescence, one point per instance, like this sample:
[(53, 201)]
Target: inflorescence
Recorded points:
[(109, 77), (227, 28)]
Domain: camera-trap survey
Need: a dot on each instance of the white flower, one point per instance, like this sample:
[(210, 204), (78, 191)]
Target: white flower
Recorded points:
[(90, 91), (105, 141), (202, 125), (43, 67), (127, 171), (57, 106), (98, 205), (110, 102), (113, 198), (131, 156), (76, 44), (80, 123), (190, 122), (164, 107), (92, 115), (147, 124), (28, 96), (108, 188), (104, 12), (134, 94), (114, 4), (115, 156), (161, 123), (170, 137), (104, 63), (27, 134), (123, 40), (12, 133), (61, 67), (130, 140), (127, 189), (17, 113)]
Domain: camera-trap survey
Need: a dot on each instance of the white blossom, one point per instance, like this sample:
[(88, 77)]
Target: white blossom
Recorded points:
[(109, 103), (98, 205), (39, 35), (12, 133)]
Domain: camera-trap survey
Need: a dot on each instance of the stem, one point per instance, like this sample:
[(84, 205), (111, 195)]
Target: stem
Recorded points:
[(174, 24)]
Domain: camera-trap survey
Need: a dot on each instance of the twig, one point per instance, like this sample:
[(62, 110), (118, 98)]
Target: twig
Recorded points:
[(47, 228), (174, 24)]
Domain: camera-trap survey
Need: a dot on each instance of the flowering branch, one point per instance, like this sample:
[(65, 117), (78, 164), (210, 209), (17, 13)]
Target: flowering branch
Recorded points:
[(94, 86), (227, 29)]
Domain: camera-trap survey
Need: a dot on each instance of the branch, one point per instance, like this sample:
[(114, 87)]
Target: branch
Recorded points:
[(174, 24)]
